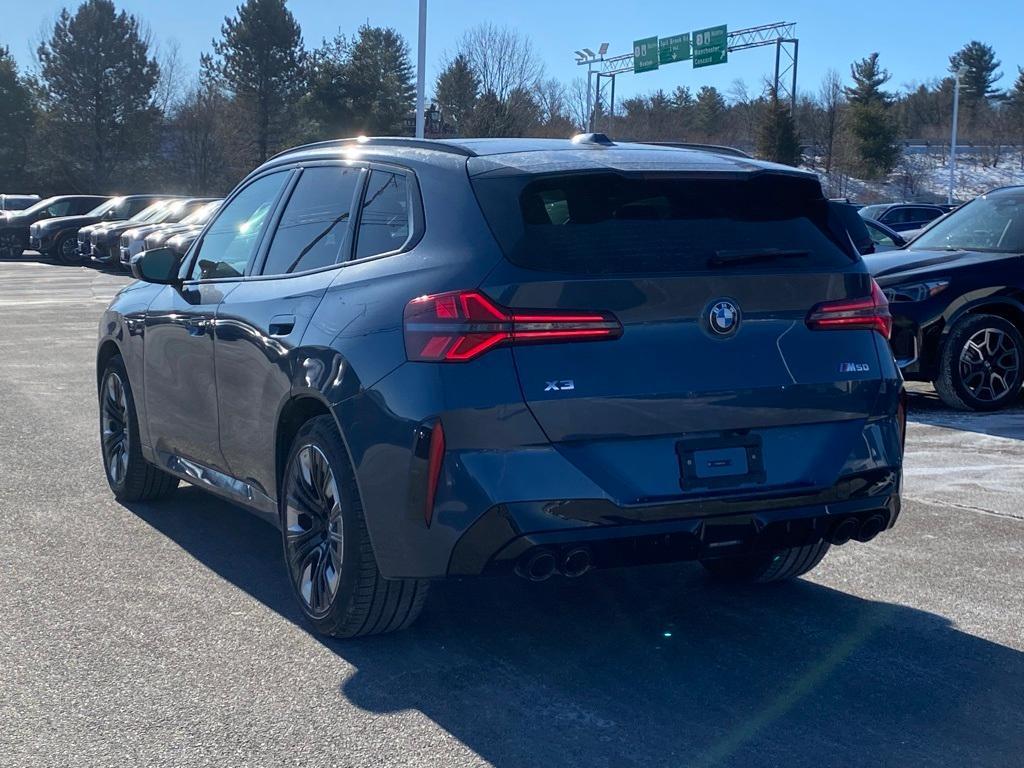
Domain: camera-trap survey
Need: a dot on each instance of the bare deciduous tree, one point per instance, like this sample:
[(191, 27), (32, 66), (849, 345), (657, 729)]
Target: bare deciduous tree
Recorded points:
[(170, 88), (504, 59), (830, 98)]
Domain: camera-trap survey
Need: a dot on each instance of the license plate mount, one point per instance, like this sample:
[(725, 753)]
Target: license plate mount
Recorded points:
[(720, 461)]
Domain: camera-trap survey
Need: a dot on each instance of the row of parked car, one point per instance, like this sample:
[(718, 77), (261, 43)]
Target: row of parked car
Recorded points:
[(104, 230)]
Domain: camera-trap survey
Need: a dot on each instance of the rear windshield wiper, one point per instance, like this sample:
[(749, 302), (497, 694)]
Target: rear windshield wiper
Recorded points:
[(722, 258)]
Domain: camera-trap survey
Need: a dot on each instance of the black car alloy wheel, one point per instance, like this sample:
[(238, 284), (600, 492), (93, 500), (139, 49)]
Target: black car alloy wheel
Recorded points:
[(314, 534), (67, 249), (116, 435), (990, 365), (11, 245)]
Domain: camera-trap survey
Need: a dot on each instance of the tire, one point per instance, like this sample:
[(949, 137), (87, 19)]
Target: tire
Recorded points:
[(65, 250), (12, 245), (128, 474), (322, 523), (976, 341), (781, 565)]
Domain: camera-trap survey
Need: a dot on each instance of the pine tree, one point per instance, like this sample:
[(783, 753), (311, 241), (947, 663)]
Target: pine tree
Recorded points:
[(868, 79), (1015, 108), (980, 75), (17, 115), (378, 80), (260, 61), (98, 83), (456, 91), (872, 125), (776, 139), (709, 113)]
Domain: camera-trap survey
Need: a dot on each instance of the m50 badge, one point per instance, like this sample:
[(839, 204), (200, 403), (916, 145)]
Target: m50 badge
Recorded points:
[(854, 368)]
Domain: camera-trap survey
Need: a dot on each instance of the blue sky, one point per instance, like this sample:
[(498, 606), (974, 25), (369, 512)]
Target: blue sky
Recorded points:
[(914, 38)]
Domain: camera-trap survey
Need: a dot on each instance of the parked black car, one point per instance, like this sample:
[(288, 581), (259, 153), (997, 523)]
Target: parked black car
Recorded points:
[(427, 358), (14, 229), (102, 241), (57, 238), (17, 202), (194, 222), (957, 298), (132, 240), (904, 216)]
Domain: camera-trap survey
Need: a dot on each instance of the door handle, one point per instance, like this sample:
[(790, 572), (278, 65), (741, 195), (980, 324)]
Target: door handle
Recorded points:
[(197, 326), (282, 325)]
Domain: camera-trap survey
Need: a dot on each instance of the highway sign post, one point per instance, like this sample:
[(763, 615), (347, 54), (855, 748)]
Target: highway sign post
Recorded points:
[(674, 48), (709, 46), (645, 55)]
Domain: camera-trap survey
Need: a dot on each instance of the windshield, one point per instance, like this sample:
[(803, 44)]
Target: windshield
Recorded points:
[(149, 213), (42, 205), (103, 208), (992, 223), (203, 214), (172, 211)]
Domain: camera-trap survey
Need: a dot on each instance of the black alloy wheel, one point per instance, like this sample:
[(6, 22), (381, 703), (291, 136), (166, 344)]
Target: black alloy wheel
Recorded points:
[(314, 531), (11, 245), (982, 365), (66, 250), (129, 475), (115, 434), (327, 549)]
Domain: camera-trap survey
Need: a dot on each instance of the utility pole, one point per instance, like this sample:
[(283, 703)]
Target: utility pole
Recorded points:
[(952, 138), (421, 75)]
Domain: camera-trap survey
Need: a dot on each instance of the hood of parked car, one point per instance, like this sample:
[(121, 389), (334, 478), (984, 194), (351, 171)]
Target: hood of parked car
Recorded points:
[(117, 228), (16, 219), (61, 223), (136, 233), (892, 266)]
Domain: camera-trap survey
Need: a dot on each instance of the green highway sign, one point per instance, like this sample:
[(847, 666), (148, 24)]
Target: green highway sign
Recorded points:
[(673, 49), (645, 55), (709, 46)]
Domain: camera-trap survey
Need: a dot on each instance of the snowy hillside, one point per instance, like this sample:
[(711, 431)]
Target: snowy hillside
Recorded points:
[(925, 177)]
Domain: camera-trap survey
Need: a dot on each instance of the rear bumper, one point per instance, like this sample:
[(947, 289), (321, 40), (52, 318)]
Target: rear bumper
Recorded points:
[(697, 530)]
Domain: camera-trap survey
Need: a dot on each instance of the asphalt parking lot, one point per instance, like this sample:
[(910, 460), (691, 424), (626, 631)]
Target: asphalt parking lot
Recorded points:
[(165, 634)]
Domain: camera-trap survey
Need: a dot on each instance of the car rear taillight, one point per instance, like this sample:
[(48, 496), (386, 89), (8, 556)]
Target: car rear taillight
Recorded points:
[(460, 326), (870, 312)]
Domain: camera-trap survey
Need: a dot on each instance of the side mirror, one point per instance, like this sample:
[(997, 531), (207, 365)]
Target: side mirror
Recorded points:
[(159, 265)]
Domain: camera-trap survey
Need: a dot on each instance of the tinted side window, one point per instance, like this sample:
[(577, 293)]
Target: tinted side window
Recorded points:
[(233, 236), (924, 214), (135, 206), (61, 208), (315, 223), (80, 207), (384, 219)]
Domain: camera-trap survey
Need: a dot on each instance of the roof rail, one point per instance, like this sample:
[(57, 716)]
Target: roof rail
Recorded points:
[(436, 145), (716, 148)]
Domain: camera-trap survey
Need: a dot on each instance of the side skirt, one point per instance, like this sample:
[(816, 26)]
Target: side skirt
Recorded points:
[(221, 484)]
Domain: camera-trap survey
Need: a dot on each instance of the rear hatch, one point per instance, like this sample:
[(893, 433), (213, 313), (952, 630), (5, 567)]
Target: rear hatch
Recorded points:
[(713, 279)]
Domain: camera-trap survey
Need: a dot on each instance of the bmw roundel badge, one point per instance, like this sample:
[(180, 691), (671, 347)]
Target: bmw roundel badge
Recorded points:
[(723, 317)]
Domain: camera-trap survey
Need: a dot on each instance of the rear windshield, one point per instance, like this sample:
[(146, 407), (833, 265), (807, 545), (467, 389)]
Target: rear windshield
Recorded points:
[(614, 223)]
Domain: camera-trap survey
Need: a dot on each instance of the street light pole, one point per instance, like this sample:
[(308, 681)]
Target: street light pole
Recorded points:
[(952, 139), (588, 57), (421, 75)]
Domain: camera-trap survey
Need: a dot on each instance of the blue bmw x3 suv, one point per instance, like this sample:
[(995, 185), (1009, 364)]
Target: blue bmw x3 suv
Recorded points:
[(424, 359)]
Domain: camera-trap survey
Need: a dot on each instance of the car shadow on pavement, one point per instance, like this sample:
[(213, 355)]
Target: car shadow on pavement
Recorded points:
[(925, 407), (655, 666)]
